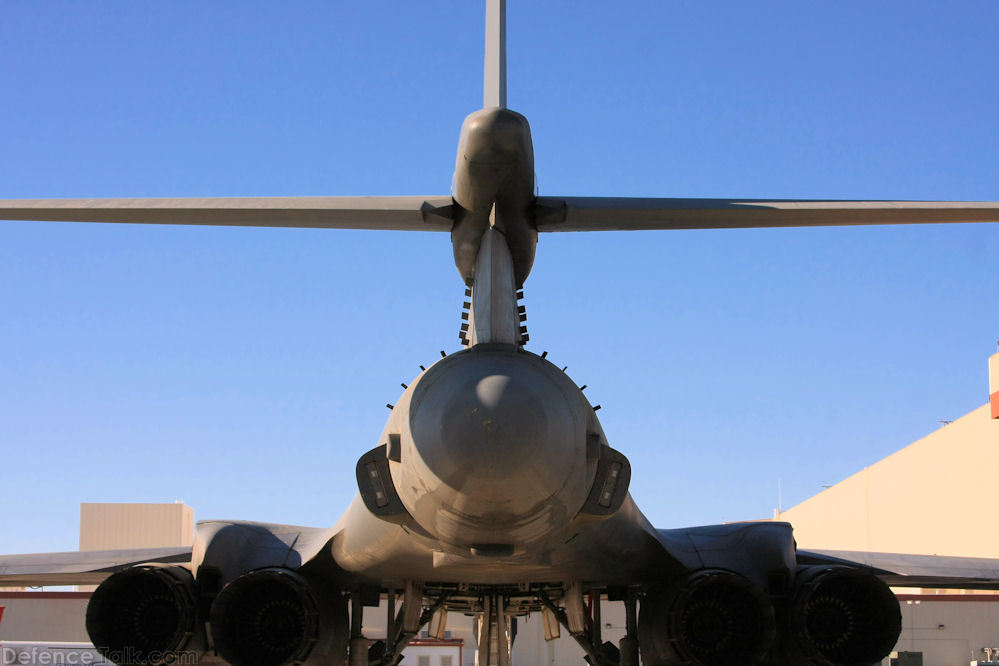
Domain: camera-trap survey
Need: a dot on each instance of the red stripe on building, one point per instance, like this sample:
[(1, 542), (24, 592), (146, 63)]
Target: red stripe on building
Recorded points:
[(994, 401), (45, 595)]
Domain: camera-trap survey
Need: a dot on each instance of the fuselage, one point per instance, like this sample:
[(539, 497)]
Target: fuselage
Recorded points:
[(498, 456), (498, 469)]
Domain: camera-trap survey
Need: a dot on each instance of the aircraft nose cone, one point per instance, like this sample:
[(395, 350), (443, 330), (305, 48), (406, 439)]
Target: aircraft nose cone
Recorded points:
[(497, 440)]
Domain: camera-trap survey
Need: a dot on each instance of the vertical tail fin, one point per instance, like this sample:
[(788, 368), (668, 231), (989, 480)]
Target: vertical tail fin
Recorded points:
[(495, 72)]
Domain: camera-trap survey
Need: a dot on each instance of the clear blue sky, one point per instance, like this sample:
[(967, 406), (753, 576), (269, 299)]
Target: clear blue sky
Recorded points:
[(245, 370)]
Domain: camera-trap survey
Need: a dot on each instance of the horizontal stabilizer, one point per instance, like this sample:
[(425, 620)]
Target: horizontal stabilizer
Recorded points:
[(635, 214), (81, 567), (392, 213), (415, 213)]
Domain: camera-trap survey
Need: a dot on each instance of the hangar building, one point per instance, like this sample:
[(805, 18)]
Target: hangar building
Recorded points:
[(928, 499)]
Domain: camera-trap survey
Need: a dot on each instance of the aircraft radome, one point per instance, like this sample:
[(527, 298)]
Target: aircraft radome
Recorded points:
[(445, 517)]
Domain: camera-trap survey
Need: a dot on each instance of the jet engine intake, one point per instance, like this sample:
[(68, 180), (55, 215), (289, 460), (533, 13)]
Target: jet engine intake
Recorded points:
[(144, 615), (276, 616), (841, 615), (709, 617)]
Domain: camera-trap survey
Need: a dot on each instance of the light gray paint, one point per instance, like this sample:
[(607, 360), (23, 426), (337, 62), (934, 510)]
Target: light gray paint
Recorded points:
[(395, 213), (494, 87), (493, 314), (81, 568), (638, 214)]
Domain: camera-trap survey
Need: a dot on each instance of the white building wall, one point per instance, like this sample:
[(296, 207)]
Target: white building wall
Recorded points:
[(44, 616), (530, 647), (948, 629), (433, 655)]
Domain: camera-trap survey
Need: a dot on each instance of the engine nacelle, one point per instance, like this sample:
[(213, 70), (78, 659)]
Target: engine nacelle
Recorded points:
[(277, 616), (841, 615), (145, 615), (709, 617)]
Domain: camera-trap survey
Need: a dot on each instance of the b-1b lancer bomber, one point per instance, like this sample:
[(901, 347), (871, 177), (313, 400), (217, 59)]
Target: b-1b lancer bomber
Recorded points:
[(493, 490)]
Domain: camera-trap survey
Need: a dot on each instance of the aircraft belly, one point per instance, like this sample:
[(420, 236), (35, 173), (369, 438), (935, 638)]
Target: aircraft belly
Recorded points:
[(619, 549)]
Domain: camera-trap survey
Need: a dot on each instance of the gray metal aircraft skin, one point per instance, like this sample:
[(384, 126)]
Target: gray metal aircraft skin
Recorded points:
[(493, 488)]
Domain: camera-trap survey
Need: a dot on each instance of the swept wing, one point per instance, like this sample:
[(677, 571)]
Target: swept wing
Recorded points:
[(905, 570), (83, 567)]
